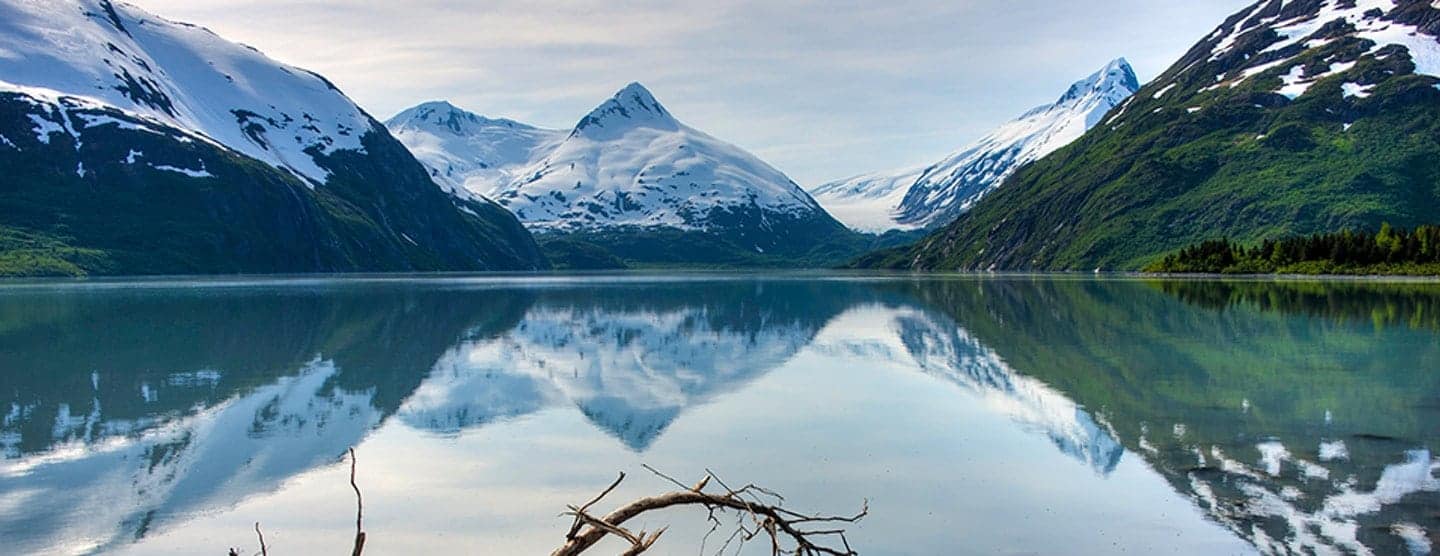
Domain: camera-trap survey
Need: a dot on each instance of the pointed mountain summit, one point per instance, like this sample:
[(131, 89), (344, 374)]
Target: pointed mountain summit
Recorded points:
[(138, 145), (631, 107), (936, 195), (466, 153), (1111, 85), (1290, 118)]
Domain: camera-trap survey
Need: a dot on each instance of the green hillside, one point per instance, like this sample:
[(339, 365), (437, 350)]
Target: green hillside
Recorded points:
[(1212, 149)]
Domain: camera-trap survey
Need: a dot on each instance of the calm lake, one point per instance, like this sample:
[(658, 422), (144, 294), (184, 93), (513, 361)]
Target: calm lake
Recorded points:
[(978, 415)]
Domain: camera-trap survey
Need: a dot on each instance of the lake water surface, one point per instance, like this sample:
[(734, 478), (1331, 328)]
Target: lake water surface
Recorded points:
[(978, 415)]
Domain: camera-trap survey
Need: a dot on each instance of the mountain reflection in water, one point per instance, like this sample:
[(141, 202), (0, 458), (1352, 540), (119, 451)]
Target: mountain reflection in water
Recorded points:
[(1284, 413)]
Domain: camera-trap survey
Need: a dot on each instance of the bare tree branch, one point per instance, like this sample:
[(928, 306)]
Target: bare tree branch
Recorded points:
[(785, 528), (579, 522)]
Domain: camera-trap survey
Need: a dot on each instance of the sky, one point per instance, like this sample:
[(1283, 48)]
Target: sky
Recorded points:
[(821, 89)]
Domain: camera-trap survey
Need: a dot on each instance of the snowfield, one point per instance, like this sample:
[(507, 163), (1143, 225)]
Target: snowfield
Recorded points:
[(870, 202)]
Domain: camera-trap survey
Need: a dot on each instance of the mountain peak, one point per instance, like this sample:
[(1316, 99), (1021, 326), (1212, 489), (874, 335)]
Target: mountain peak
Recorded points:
[(633, 104), (638, 93), (1116, 76), (1119, 64), (437, 105), (442, 114)]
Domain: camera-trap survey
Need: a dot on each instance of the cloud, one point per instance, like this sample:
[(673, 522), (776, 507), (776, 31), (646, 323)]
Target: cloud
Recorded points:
[(824, 89)]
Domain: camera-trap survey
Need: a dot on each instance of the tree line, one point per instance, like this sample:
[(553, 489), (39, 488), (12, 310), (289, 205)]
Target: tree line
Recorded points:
[(1388, 251)]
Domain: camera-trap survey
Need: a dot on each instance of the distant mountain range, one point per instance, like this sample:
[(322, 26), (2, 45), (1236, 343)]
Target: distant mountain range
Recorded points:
[(136, 145), (936, 195), (1291, 118), (630, 178)]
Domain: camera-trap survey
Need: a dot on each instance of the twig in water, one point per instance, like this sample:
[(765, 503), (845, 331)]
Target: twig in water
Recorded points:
[(263, 551), (359, 509)]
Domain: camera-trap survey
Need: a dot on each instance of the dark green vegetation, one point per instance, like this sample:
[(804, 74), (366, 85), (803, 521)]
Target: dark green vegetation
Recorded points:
[(91, 207), (1388, 252), (30, 254), (572, 253), (816, 242), (1204, 161), (1194, 376)]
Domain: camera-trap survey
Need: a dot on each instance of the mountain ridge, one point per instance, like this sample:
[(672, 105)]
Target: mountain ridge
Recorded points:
[(931, 196)]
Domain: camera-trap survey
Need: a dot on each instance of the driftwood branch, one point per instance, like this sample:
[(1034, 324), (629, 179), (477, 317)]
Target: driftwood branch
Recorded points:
[(759, 511)]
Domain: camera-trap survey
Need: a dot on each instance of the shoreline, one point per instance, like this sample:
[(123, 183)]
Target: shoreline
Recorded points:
[(544, 278)]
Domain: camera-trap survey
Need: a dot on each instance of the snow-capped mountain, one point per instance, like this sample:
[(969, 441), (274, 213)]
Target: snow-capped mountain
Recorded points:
[(632, 179), (629, 163), (174, 75), (116, 119), (936, 195), (467, 153)]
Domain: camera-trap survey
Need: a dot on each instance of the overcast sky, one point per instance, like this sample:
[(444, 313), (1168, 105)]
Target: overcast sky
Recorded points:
[(822, 89)]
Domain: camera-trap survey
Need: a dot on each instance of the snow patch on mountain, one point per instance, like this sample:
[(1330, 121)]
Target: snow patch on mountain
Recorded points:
[(200, 173), (63, 53), (1294, 29), (948, 189)]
